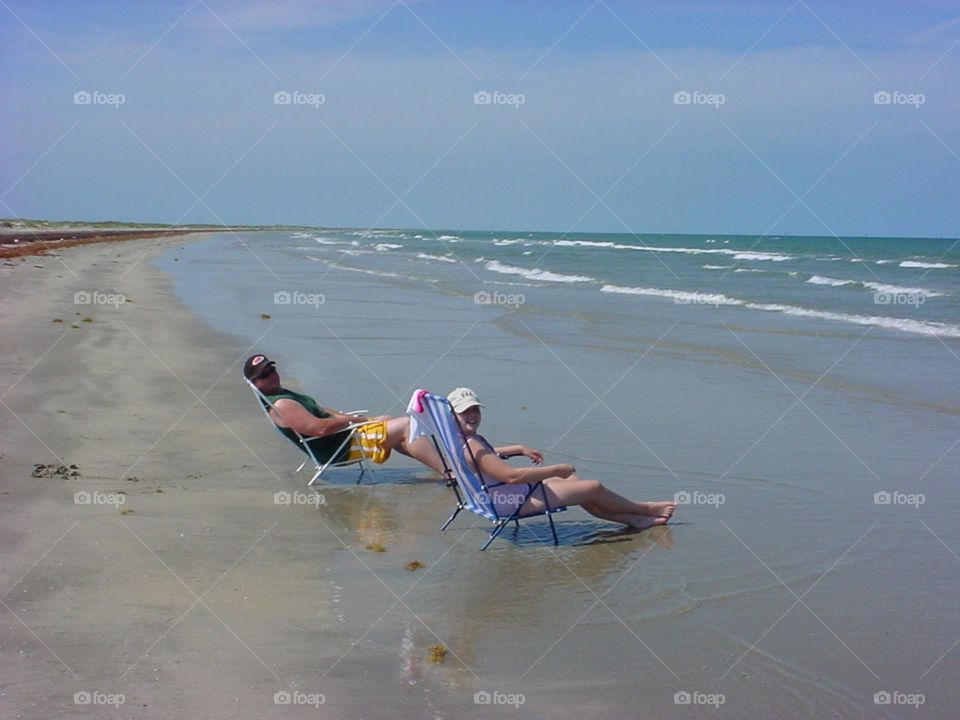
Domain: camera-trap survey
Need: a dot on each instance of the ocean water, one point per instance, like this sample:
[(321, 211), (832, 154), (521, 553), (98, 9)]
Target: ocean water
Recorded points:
[(907, 285), (800, 395)]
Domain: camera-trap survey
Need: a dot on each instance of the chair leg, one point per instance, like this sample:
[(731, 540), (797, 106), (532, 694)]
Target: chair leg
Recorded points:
[(360, 476), (552, 528), (493, 536), (316, 476), (450, 519)]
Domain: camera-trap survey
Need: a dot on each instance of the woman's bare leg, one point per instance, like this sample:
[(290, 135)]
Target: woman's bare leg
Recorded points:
[(596, 494), (639, 522), (599, 501)]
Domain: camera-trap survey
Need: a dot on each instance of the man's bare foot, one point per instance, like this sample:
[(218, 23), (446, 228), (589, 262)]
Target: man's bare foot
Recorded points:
[(642, 522), (660, 509)]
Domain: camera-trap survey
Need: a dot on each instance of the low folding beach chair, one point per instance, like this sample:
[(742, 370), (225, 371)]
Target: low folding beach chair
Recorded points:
[(303, 443), (433, 415)]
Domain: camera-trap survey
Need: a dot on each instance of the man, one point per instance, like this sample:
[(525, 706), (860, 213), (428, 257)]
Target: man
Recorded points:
[(376, 438)]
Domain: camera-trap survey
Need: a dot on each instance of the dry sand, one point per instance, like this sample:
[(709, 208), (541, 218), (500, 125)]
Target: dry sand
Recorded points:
[(172, 598)]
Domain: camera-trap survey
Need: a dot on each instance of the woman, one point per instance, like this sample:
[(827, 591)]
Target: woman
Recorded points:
[(509, 486)]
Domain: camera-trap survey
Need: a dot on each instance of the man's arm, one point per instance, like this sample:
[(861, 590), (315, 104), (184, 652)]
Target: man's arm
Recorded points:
[(291, 414)]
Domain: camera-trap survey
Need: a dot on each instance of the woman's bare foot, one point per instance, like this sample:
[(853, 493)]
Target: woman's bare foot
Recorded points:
[(660, 509), (642, 522)]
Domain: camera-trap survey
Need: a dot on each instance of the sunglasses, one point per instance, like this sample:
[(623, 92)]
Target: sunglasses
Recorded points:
[(270, 370)]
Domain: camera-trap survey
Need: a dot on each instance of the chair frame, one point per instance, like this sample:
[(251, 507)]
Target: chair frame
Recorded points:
[(304, 442), (489, 508)]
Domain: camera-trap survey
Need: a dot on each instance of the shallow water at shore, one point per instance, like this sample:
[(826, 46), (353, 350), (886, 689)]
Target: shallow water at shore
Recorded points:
[(787, 583)]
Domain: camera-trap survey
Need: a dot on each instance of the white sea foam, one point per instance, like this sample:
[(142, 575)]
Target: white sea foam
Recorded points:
[(928, 266), (504, 242), (327, 241), (365, 271), (833, 282), (675, 295), (535, 274), (754, 270), (899, 290), (448, 237), (919, 327), (878, 287), (717, 267), (737, 254), (384, 247), (775, 257), (515, 284), (441, 258)]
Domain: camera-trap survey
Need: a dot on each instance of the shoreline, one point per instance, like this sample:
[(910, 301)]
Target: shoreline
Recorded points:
[(22, 243)]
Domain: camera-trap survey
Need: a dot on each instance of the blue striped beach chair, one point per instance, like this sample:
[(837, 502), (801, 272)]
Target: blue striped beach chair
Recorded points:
[(433, 415), (304, 442)]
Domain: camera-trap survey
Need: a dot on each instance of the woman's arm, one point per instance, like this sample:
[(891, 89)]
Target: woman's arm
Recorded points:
[(494, 468), (509, 451)]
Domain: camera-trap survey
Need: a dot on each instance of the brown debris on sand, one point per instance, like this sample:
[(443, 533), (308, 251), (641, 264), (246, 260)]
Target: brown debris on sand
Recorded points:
[(41, 242), (41, 470)]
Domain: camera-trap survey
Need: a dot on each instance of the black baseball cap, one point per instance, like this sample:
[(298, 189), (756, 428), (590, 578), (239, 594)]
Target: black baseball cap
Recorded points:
[(255, 365)]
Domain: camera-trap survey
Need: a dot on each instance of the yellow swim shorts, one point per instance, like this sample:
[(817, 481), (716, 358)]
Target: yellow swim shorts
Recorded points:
[(369, 442)]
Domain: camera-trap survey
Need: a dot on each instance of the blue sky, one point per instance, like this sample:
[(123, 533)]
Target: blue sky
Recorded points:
[(782, 135)]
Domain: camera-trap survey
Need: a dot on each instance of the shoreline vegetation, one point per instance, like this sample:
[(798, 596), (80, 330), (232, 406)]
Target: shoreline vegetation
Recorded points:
[(21, 237)]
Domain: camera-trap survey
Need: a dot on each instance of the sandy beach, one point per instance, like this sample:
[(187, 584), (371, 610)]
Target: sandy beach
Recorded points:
[(157, 575), (121, 595)]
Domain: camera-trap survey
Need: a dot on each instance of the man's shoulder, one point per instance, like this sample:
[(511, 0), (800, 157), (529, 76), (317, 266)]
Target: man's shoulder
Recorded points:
[(292, 396)]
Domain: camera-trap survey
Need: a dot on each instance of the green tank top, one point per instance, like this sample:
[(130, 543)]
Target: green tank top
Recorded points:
[(325, 448)]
